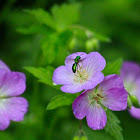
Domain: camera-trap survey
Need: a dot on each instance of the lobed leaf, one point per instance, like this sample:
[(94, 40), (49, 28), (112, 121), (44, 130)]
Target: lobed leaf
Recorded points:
[(61, 100), (33, 29), (42, 16), (44, 75), (55, 44), (113, 67), (65, 15), (113, 126)]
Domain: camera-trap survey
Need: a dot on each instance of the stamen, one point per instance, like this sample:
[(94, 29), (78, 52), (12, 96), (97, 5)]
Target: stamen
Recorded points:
[(100, 95), (81, 75), (94, 96)]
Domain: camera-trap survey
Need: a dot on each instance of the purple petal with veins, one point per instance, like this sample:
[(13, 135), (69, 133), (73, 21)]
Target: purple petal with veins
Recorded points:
[(130, 74), (110, 93), (88, 73), (12, 107)]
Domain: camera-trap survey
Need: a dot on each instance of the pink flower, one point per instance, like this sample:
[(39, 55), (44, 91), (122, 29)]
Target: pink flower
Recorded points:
[(110, 94), (130, 74), (88, 73), (12, 107)]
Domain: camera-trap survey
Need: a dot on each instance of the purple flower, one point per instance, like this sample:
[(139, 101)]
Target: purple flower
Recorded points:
[(12, 107), (130, 74), (88, 73), (110, 94)]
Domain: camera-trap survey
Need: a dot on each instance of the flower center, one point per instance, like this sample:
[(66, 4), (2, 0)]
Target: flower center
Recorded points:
[(95, 96), (81, 75)]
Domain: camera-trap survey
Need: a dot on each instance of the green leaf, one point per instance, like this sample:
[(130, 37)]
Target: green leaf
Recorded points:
[(42, 17), (61, 100), (34, 29), (65, 15), (55, 44), (61, 16), (102, 38), (113, 126), (83, 138), (44, 75), (49, 49), (76, 138), (80, 138), (113, 67)]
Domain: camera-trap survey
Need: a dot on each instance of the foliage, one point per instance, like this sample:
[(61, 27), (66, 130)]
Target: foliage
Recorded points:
[(113, 126), (60, 33), (113, 67), (41, 39), (61, 100), (44, 75), (79, 138)]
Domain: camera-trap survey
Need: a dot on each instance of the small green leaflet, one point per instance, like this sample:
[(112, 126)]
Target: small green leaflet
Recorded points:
[(79, 138), (61, 100), (60, 17), (44, 75), (113, 67), (102, 38), (54, 44), (113, 126), (42, 17), (65, 15), (34, 29)]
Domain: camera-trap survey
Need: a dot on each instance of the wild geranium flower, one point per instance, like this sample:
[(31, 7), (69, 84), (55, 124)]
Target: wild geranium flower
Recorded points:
[(130, 74), (12, 84), (110, 94), (88, 72)]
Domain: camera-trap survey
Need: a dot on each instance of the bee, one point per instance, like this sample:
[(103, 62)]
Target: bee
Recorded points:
[(76, 62)]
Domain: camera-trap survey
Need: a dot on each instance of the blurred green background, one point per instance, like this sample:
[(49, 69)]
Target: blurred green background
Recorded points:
[(118, 20)]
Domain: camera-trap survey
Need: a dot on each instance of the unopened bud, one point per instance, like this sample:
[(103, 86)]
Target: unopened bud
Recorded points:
[(80, 138), (134, 101), (72, 43), (92, 44)]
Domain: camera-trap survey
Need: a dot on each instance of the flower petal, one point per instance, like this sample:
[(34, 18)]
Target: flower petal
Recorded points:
[(3, 66), (72, 88), (94, 62), (93, 81), (2, 77), (22, 75), (130, 74), (4, 120), (13, 84), (96, 117), (80, 106), (12, 109), (69, 61), (115, 99), (62, 75), (111, 81), (130, 70), (115, 96), (135, 112), (16, 108)]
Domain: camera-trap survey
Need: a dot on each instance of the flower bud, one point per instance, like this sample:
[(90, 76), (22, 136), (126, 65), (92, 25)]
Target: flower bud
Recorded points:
[(92, 44), (80, 138), (134, 101), (72, 43)]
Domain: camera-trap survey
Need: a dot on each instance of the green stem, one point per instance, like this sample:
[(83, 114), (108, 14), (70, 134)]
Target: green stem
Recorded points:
[(80, 124)]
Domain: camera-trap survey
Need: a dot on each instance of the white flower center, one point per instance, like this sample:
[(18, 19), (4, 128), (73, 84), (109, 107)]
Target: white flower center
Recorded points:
[(95, 96), (81, 75)]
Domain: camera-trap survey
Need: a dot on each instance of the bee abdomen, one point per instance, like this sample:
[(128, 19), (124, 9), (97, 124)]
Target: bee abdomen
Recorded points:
[(74, 67)]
